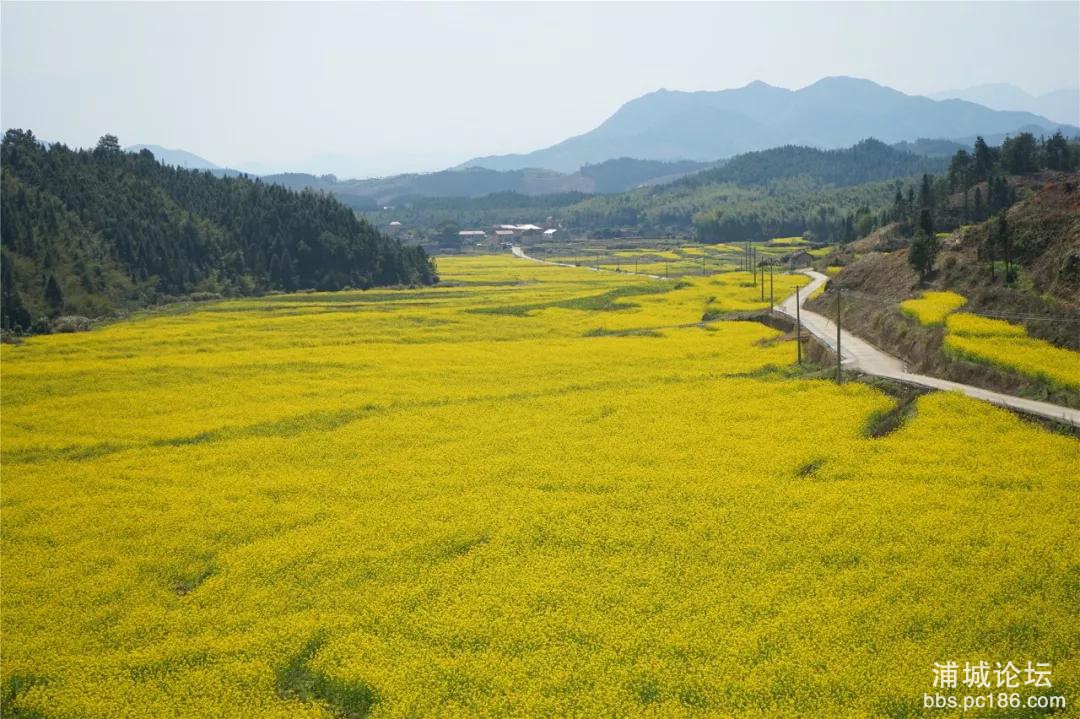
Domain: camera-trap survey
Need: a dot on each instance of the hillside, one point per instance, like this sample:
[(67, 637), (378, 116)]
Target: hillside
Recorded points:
[(930, 148), (612, 176), (1062, 105), (91, 231), (185, 160), (1043, 301), (779, 192), (708, 125), (176, 158), (867, 161)]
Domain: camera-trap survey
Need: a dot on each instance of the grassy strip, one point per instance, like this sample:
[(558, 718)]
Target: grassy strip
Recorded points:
[(604, 302), (297, 680)]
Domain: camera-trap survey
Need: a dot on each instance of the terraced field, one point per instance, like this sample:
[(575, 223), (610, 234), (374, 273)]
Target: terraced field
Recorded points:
[(670, 260), (1008, 346), (528, 492), (994, 341)]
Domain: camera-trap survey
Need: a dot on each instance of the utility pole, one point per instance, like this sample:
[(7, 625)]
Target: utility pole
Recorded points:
[(762, 273), (1008, 251), (772, 300), (635, 264), (839, 375), (667, 268), (703, 265), (798, 325)]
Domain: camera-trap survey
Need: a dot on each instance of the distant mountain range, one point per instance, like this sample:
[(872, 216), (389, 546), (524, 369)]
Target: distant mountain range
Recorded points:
[(176, 158), (778, 192), (663, 136), (607, 177), (612, 176), (707, 125), (1059, 106), (184, 159)]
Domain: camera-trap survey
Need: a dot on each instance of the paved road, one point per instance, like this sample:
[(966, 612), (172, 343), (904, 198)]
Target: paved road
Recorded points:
[(858, 354)]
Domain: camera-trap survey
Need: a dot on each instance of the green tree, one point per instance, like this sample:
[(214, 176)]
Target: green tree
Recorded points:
[(926, 222), (54, 296), (1020, 154), (13, 313), (107, 145), (926, 194), (1005, 241), (447, 236), (959, 174), (923, 252), (1057, 153), (984, 159)]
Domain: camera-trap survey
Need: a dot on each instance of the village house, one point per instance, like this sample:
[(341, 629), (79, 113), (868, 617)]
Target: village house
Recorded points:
[(799, 260), (516, 230)]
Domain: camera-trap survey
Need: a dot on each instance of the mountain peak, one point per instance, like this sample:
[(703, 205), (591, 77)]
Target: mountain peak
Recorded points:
[(176, 158), (833, 112), (846, 82)]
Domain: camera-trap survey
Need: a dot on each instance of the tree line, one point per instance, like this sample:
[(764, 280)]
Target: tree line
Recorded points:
[(1020, 155), (91, 231), (980, 178), (867, 161), (781, 191)]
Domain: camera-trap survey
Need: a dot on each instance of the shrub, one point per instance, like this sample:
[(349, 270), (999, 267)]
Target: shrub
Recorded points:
[(71, 323)]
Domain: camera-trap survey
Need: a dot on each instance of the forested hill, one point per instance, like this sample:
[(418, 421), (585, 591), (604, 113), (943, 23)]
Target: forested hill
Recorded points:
[(612, 176), (867, 161), (757, 195), (88, 232)]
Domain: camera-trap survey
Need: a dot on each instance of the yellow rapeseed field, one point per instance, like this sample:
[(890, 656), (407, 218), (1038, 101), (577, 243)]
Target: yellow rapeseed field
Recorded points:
[(692, 260), (529, 492), (1008, 346), (932, 307)]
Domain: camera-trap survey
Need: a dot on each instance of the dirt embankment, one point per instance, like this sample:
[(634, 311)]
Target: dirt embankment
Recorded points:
[(1044, 232)]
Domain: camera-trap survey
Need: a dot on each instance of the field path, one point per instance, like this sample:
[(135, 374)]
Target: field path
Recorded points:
[(518, 252), (860, 355)]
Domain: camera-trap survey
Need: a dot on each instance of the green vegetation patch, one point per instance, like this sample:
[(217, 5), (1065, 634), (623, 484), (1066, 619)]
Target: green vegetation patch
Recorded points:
[(297, 680), (603, 302)]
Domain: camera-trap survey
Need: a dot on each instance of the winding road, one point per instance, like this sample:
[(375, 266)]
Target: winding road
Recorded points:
[(858, 354)]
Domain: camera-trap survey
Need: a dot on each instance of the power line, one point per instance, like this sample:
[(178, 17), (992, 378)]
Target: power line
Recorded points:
[(892, 301)]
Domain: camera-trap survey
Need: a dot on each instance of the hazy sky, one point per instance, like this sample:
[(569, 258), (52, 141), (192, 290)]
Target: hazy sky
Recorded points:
[(379, 88)]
